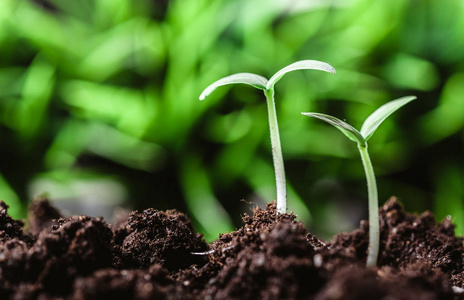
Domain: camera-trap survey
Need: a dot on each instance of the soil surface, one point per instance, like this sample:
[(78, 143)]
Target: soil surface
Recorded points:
[(157, 255)]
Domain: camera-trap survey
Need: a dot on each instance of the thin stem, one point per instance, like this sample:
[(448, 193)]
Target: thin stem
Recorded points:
[(276, 153), (374, 231)]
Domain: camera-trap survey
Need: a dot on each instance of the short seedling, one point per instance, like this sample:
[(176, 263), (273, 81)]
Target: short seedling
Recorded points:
[(267, 86), (361, 137)]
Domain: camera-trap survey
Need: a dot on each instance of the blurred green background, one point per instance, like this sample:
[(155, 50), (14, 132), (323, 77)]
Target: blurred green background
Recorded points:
[(99, 106)]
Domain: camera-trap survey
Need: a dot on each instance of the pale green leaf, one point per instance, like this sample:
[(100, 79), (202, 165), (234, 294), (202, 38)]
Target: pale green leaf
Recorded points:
[(383, 112), (344, 127), (299, 65), (240, 78)]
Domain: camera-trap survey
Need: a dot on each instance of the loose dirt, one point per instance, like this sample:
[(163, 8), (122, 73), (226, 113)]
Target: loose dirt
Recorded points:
[(157, 255)]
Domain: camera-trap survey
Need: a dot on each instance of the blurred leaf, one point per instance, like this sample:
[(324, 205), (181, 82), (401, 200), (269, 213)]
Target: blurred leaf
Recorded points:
[(77, 138), (312, 142), (203, 205), (231, 127), (111, 51), (53, 37), (450, 195), (112, 11), (410, 72), (448, 117), (11, 81), (86, 84), (17, 209), (32, 108), (233, 159), (82, 9), (68, 144), (106, 103)]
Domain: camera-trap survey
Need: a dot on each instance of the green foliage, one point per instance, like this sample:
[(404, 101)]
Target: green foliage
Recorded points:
[(262, 83), (369, 126), (361, 137), (106, 88)]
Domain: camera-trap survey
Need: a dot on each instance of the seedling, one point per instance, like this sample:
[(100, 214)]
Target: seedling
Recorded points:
[(267, 86), (361, 138)]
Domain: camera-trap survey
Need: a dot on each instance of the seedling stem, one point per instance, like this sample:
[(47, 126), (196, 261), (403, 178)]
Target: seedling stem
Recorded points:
[(374, 226), (277, 156)]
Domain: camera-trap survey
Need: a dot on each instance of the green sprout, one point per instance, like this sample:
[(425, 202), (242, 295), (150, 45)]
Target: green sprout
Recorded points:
[(267, 86), (361, 138)]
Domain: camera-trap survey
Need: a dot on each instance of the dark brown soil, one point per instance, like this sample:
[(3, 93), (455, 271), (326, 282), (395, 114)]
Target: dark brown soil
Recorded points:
[(158, 255)]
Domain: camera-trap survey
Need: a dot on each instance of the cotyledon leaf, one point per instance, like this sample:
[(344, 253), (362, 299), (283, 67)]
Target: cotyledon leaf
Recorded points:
[(299, 65), (344, 127), (254, 80), (383, 112)]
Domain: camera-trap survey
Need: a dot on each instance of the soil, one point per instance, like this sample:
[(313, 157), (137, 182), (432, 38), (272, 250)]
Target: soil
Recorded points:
[(157, 255)]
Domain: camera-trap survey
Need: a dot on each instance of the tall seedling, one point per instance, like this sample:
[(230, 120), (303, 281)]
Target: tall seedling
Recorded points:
[(267, 86), (361, 137)]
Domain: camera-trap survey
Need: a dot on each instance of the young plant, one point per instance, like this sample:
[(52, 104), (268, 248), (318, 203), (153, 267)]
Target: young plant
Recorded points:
[(267, 86), (361, 138)]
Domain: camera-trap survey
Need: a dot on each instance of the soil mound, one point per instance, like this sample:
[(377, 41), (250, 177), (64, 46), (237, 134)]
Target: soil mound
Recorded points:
[(153, 236), (158, 255)]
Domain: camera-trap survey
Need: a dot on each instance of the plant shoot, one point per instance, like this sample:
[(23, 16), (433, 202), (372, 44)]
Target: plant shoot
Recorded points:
[(361, 137), (267, 86)]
